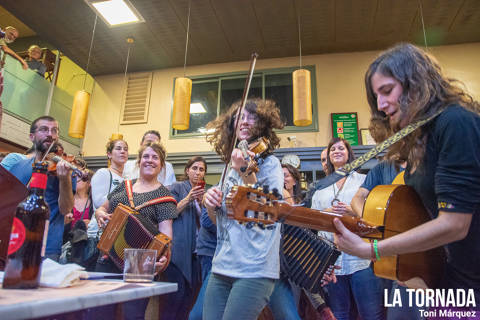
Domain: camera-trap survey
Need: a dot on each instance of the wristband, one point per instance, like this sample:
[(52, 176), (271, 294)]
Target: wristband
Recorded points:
[(373, 258), (375, 248)]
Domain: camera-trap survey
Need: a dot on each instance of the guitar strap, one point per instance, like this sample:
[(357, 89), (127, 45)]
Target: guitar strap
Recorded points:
[(357, 163)]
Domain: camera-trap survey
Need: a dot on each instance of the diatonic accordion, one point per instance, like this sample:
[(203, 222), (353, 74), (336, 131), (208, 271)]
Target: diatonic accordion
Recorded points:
[(305, 257), (128, 229)]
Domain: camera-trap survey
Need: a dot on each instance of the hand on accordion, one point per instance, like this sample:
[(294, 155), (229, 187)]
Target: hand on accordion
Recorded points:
[(163, 262), (329, 276), (102, 216)]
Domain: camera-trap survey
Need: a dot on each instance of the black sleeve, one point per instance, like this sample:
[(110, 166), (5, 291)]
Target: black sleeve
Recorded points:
[(457, 176)]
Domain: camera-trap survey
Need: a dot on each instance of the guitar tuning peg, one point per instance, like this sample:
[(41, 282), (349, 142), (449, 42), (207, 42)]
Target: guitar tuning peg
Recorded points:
[(271, 227), (275, 193), (249, 225), (261, 225), (266, 188)]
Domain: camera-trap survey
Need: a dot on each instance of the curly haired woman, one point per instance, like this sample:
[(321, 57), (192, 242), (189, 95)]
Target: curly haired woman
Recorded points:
[(246, 262)]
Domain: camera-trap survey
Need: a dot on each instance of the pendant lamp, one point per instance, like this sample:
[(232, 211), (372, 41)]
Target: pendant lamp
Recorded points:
[(118, 135), (302, 91), (78, 118), (183, 92), (81, 100)]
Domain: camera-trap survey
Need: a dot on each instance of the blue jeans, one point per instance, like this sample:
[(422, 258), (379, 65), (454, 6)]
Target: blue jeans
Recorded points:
[(362, 288), (403, 312), (197, 310), (282, 303), (233, 298)]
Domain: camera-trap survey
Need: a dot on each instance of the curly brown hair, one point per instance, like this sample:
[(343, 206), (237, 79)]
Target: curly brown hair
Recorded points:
[(157, 147), (268, 119), (426, 90)]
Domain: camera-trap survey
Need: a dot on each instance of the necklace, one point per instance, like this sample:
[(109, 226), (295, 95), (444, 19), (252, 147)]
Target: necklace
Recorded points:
[(116, 171), (335, 199)]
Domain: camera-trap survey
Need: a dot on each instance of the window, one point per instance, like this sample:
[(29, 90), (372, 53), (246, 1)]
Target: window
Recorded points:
[(217, 93)]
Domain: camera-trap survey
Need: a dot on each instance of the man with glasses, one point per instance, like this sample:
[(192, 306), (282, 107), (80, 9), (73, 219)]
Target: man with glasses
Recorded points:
[(59, 193)]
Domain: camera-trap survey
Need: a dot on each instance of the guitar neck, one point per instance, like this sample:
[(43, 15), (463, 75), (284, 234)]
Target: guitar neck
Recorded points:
[(322, 220)]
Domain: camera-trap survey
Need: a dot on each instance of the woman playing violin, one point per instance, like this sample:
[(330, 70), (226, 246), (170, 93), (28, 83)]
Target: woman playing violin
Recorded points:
[(246, 262)]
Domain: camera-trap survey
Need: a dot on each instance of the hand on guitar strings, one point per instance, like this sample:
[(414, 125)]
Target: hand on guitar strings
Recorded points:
[(348, 242)]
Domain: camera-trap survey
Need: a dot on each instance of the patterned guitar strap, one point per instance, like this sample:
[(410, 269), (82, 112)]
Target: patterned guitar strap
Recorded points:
[(357, 163)]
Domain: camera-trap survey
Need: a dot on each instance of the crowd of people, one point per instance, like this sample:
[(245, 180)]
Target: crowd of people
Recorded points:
[(228, 270)]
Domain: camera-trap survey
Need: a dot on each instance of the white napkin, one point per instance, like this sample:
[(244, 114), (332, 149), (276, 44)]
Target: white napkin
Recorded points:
[(57, 275)]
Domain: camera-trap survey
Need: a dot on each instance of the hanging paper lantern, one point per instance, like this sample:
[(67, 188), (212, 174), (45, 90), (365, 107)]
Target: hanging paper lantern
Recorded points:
[(302, 98), (116, 136), (181, 104), (78, 118)]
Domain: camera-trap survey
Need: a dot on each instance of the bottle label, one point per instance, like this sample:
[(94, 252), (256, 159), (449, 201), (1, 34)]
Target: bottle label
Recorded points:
[(39, 180), (45, 233), (17, 236)]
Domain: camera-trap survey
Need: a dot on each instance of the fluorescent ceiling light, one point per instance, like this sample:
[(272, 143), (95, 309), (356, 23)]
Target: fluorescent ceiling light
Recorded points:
[(115, 12), (197, 107), (205, 131)]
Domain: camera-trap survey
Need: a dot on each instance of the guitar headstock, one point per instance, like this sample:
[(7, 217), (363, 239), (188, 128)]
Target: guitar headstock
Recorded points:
[(252, 205)]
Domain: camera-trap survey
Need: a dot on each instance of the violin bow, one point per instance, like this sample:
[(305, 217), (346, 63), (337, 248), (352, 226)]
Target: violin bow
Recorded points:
[(248, 81)]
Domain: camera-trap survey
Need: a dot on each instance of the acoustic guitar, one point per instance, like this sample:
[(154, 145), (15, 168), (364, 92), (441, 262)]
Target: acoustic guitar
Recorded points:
[(389, 210)]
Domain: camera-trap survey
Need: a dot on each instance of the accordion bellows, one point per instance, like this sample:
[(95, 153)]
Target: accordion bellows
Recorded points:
[(306, 257), (128, 229)]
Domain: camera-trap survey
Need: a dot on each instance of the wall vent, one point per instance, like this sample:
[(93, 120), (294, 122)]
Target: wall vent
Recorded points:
[(137, 98)]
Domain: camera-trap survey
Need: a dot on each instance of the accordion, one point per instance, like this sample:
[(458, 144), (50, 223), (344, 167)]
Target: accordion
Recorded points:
[(129, 229), (305, 257)]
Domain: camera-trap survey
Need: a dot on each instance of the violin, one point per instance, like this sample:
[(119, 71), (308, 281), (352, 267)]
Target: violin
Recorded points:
[(258, 147), (52, 159)]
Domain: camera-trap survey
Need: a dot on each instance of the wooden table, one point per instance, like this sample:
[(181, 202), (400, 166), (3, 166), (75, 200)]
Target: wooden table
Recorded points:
[(45, 302)]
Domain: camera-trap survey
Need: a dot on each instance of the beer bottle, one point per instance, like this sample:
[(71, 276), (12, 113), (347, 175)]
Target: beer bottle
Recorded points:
[(29, 234)]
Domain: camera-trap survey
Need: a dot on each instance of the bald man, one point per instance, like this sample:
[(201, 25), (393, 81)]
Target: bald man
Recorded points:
[(11, 34)]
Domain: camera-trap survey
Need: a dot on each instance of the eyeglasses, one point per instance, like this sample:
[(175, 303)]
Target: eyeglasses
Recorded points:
[(46, 130), (248, 118)]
